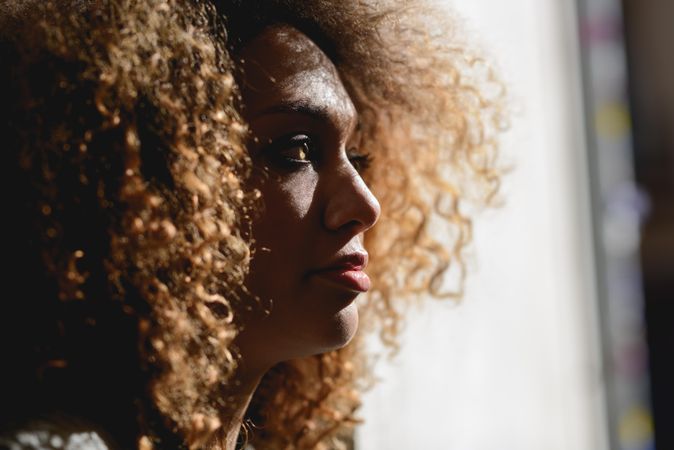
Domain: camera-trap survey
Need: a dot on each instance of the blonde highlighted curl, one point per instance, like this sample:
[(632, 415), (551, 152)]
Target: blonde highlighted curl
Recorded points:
[(129, 110)]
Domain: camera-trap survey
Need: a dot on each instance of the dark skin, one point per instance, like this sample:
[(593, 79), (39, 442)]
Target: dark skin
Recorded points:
[(309, 260), (308, 256)]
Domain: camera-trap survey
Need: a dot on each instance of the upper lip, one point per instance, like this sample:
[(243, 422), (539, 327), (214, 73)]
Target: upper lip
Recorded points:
[(350, 261)]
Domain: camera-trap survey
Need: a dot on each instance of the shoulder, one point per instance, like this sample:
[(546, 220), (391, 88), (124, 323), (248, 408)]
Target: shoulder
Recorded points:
[(55, 434)]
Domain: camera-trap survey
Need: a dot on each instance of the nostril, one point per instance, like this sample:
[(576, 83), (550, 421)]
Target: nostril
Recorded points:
[(353, 217), (353, 225)]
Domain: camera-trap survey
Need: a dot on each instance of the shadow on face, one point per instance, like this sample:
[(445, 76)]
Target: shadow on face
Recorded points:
[(309, 260)]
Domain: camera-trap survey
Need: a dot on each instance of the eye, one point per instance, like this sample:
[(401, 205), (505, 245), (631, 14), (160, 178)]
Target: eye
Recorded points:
[(359, 160), (290, 151), (297, 151)]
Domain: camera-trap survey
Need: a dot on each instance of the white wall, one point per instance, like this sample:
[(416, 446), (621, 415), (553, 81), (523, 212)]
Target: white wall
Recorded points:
[(516, 365)]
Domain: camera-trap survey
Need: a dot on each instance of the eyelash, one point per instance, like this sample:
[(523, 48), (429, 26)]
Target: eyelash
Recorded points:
[(275, 153), (360, 161)]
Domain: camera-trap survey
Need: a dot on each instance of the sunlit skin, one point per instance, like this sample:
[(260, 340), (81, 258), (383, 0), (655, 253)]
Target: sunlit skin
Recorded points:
[(309, 263), (143, 249)]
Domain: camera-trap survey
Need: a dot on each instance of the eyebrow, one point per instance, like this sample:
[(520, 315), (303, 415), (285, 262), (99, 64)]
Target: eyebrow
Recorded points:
[(304, 107), (299, 107), (307, 108)]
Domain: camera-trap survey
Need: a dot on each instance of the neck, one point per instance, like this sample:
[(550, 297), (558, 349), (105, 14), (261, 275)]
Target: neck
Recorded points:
[(248, 380)]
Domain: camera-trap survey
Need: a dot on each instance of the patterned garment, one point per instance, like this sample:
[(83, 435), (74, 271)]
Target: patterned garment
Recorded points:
[(52, 440)]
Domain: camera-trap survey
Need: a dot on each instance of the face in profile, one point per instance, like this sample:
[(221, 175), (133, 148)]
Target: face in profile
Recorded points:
[(309, 261)]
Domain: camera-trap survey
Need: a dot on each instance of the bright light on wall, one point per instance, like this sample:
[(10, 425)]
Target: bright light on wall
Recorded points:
[(516, 365)]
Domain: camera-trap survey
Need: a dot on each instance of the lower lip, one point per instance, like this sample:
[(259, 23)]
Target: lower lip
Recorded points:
[(355, 280)]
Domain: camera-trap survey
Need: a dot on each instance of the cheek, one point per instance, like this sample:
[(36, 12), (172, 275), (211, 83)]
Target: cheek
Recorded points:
[(287, 210), (284, 236)]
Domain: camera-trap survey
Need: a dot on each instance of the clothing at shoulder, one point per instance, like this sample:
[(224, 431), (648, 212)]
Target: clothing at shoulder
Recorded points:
[(58, 434)]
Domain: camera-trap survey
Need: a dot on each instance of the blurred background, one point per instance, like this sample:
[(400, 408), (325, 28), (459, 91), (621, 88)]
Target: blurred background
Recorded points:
[(565, 338)]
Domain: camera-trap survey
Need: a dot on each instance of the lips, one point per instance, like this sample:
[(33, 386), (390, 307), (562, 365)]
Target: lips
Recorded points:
[(355, 280), (346, 272)]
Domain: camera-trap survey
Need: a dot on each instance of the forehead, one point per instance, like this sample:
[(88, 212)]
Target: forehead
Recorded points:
[(282, 66)]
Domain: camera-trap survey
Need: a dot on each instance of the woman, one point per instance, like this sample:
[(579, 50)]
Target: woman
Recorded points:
[(197, 188)]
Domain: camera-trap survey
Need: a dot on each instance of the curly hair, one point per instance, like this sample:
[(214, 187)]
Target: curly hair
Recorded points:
[(125, 143)]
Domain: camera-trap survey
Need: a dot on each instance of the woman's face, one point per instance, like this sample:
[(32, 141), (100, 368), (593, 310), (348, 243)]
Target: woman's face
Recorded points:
[(309, 259)]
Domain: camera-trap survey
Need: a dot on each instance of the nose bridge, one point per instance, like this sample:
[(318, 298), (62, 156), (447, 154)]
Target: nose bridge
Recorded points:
[(349, 202)]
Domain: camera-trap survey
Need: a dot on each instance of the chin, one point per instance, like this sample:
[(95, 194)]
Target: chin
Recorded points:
[(337, 332), (298, 334)]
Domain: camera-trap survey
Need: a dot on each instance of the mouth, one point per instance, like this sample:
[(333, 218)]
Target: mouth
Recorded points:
[(346, 272), (351, 279)]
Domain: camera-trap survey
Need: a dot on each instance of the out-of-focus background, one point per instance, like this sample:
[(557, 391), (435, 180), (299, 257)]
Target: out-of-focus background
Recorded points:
[(565, 337)]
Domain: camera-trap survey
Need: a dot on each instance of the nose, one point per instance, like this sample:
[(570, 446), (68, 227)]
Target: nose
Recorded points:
[(350, 205)]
